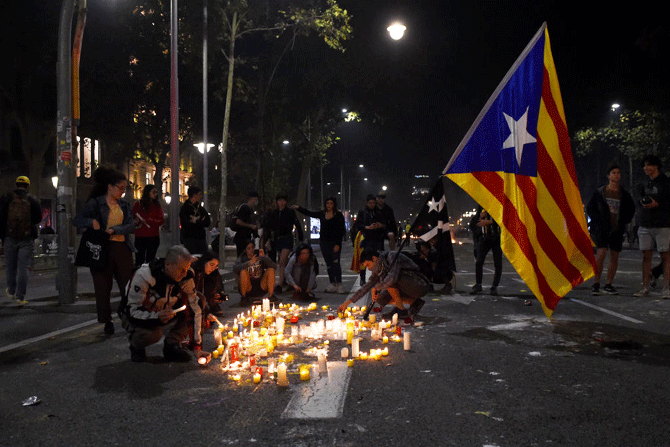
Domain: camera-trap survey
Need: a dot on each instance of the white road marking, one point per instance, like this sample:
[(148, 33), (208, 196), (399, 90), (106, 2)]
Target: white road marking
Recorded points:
[(29, 341), (607, 311), (467, 299), (322, 397)]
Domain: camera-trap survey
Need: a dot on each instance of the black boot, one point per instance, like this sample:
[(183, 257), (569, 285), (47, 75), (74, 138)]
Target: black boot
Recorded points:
[(174, 353)]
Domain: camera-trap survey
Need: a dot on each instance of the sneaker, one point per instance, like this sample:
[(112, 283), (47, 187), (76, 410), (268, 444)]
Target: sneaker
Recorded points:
[(476, 289), (109, 328), (21, 303), (11, 296), (608, 289), (595, 289), (415, 307), (174, 353), (138, 354), (331, 288), (493, 291), (642, 292), (666, 293)]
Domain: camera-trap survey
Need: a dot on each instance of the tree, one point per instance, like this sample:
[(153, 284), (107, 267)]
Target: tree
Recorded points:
[(242, 17), (633, 134)]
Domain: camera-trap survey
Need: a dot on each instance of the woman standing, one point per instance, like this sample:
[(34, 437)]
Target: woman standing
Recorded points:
[(149, 217), (105, 209), (332, 234)]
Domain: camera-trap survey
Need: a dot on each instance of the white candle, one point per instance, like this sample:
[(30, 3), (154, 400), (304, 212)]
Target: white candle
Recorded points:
[(407, 341), (345, 353), (282, 379), (323, 364), (266, 305), (280, 325), (394, 319), (355, 343)]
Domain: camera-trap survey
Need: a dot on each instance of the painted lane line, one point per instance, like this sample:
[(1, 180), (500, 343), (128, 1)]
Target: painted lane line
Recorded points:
[(607, 311), (322, 397), (29, 341)]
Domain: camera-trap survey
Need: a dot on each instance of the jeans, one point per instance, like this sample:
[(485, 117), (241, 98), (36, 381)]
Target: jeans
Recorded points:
[(332, 260), (18, 259)]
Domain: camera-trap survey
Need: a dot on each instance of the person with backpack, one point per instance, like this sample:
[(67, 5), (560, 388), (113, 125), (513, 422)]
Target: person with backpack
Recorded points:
[(20, 214)]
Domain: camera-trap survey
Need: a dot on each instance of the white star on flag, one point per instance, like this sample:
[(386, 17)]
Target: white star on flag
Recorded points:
[(519, 136)]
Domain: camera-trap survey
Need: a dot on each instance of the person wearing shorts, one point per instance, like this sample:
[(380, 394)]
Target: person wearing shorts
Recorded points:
[(653, 208), (610, 209)]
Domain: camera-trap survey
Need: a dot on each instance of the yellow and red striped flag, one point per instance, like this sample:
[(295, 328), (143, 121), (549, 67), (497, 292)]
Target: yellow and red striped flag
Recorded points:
[(516, 162)]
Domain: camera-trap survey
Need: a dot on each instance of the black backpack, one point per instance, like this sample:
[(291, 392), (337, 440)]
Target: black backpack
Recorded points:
[(231, 219), (18, 217)]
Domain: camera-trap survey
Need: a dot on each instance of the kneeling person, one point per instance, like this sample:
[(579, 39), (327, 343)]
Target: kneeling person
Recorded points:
[(256, 275), (395, 281), (155, 294)]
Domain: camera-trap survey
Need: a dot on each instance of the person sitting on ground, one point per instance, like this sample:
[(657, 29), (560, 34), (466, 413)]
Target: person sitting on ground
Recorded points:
[(395, 279), (208, 283), (156, 294), (256, 275), (301, 272)]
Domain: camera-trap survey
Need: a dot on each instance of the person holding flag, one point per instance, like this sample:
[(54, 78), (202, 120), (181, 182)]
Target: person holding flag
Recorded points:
[(488, 239)]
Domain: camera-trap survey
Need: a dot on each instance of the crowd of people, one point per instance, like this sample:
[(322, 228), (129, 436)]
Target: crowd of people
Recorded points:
[(177, 295)]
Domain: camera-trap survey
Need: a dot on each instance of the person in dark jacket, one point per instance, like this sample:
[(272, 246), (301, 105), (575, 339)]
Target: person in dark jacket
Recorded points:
[(18, 234), (653, 216), (489, 240), (330, 240), (281, 222), (610, 209), (390, 222), (107, 210), (371, 223), (194, 220)]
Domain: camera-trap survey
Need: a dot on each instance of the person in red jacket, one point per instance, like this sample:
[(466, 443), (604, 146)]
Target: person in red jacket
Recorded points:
[(149, 217)]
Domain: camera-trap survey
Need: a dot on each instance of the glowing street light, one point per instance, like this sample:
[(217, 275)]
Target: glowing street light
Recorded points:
[(615, 106), (396, 30)]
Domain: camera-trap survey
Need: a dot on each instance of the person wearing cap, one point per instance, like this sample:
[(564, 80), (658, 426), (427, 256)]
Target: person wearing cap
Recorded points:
[(161, 296), (389, 217), (20, 214), (281, 223)]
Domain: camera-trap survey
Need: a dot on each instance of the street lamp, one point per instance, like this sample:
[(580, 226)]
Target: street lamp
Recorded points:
[(396, 30), (615, 106), (205, 168)]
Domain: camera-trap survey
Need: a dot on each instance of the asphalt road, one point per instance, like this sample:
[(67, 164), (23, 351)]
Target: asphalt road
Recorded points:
[(482, 371)]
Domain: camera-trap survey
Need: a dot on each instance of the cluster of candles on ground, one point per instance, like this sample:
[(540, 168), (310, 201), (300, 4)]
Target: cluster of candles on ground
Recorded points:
[(261, 344)]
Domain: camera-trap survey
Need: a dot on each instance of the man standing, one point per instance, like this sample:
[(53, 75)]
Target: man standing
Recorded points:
[(653, 208), (194, 220), (389, 217), (489, 240), (244, 222), (610, 209), (20, 214), (371, 223)]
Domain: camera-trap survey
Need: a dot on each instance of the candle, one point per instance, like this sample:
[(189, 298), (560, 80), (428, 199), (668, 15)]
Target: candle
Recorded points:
[(345, 353), (280, 325), (257, 378), (323, 364), (215, 354), (230, 334), (282, 379), (374, 334), (202, 360), (266, 304), (350, 362), (373, 318), (385, 339), (304, 372), (350, 336), (394, 319), (385, 352), (355, 345), (407, 341), (364, 356)]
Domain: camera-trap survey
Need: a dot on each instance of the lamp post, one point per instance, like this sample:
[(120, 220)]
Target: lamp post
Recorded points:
[(205, 174), (174, 124), (205, 167)]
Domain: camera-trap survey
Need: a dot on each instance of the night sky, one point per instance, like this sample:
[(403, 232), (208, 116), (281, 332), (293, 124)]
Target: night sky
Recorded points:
[(430, 86)]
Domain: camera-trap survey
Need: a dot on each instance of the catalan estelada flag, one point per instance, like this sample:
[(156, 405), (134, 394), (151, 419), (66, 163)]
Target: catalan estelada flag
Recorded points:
[(516, 162)]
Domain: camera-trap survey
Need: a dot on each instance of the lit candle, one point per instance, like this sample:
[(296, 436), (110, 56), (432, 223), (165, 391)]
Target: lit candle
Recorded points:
[(202, 361), (364, 356), (282, 379), (407, 341), (373, 318), (266, 304), (385, 339), (350, 362), (280, 325), (385, 352), (215, 354), (230, 333), (394, 319), (355, 345), (257, 378), (350, 336), (304, 372)]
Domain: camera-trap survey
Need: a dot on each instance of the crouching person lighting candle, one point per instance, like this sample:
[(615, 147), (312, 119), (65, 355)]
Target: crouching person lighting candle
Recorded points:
[(156, 306)]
